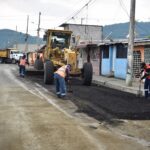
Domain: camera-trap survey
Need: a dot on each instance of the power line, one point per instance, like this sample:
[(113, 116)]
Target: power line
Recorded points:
[(77, 12), (124, 7)]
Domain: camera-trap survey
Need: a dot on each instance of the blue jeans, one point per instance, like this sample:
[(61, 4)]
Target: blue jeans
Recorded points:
[(147, 87), (22, 70), (60, 85)]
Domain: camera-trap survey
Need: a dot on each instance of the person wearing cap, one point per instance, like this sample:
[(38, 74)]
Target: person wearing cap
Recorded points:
[(145, 69), (60, 76)]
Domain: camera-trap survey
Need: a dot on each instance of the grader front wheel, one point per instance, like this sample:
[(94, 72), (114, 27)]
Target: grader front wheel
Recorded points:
[(87, 73)]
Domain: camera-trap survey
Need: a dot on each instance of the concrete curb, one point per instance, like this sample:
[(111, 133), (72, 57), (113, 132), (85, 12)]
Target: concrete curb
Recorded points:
[(114, 84)]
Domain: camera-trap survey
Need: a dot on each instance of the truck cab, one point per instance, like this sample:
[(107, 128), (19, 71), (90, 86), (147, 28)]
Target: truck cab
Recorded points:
[(15, 56)]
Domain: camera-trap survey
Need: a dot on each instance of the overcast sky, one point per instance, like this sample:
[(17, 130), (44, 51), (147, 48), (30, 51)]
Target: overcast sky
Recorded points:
[(55, 12)]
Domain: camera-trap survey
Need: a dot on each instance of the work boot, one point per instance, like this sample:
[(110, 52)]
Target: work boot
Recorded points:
[(58, 95), (63, 97)]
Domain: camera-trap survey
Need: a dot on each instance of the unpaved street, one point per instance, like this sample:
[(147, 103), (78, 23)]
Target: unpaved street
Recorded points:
[(32, 118)]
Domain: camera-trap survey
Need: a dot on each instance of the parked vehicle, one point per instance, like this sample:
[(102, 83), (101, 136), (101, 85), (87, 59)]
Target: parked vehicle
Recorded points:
[(10, 56), (15, 56), (5, 56), (58, 53)]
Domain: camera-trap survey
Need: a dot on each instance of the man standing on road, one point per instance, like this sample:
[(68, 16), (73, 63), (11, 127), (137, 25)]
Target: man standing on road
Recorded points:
[(60, 75), (145, 69), (22, 65)]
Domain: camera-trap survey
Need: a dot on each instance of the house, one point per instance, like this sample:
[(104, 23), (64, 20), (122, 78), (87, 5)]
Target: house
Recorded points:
[(114, 57), (32, 55), (29, 50), (86, 39), (82, 32), (89, 51)]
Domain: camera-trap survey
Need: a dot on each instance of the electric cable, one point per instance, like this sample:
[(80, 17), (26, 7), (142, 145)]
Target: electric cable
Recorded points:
[(76, 12), (124, 7)]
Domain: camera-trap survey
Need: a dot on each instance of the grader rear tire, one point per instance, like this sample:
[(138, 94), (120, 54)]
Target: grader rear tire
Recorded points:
[(38, 64), (48, 72), (87, 73)]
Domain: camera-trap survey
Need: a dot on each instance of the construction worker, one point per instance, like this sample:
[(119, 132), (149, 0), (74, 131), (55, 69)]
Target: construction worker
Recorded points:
[(60, 76), (145, 70), (22, 65)]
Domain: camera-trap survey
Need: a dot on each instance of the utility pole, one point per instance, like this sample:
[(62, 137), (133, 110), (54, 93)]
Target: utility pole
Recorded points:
[(129, 75), (38, 32), (26, 38)]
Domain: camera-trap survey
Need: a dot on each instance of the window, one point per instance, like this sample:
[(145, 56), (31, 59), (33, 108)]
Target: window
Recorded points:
[(73, 39), (106, 52), (121, 51), (147, 54)]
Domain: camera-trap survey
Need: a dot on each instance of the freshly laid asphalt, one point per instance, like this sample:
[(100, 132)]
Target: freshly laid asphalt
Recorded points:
[(111, 95), (131, 104)]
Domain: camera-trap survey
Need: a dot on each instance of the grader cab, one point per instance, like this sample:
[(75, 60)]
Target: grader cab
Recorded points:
[(58, 53)]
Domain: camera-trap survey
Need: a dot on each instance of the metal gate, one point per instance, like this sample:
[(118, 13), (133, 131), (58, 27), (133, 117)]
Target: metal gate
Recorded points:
[(136, 63)]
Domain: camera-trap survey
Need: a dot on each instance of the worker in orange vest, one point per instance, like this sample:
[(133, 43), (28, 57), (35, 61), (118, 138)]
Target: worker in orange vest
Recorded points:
[(60, 75), (22, 65), (145, 69)]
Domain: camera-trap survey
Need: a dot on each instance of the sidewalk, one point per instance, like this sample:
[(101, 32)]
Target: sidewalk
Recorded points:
[(118, 84)]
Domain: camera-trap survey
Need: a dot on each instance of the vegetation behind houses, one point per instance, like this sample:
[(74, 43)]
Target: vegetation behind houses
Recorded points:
[(115, 31)]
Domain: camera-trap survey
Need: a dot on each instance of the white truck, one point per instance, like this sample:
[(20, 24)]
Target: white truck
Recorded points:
[(15, 56)]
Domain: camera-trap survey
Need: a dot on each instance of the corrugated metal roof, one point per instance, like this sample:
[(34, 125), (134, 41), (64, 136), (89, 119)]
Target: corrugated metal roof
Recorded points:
[(66, 24), (125, 41)]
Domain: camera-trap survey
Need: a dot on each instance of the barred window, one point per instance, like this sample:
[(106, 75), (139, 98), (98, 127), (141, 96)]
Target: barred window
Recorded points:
[(136, 63), (121, 51)]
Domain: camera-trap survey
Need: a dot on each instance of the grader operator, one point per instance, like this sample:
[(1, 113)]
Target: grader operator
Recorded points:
[(58, 53)]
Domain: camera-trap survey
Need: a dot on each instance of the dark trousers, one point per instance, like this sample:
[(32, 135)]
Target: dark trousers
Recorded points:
[(22, 70), (147, 87)]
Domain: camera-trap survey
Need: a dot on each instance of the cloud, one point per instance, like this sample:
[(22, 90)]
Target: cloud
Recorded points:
[(55, 12)]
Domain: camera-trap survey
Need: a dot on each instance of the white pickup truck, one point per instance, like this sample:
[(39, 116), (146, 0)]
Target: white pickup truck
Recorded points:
[(15, 56)]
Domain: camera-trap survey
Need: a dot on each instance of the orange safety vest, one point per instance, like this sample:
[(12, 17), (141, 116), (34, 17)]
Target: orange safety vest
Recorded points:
[(23, 62), (62, 71), (147, 67)]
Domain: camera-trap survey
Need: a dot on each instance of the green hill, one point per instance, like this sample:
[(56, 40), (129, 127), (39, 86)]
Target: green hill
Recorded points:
[(121, 30), (9, 37), (114, 31)]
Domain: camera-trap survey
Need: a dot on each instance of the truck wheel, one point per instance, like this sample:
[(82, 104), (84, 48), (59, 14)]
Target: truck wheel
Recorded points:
[(87, 73), (1, 60), (13, 61), (48, 72), (38, 64)]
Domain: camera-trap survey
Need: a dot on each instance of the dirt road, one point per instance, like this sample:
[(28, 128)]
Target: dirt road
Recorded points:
[(32, 118)]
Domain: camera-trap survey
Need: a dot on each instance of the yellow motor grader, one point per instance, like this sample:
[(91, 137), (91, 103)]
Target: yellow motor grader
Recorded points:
[(58, 53)]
